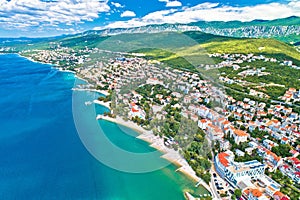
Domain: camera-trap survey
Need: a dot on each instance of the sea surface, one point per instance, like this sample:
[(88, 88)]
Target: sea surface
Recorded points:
[(41, 154)]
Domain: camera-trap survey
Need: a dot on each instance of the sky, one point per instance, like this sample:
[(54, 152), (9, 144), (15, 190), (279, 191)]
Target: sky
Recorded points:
[(41, 18)]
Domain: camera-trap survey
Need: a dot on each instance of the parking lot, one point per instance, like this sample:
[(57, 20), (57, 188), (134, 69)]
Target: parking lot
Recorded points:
[(223, 188)]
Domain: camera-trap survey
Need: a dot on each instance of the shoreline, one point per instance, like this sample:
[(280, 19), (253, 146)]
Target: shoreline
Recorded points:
[(154, 141), (157, 143), (29, 58), (105, 93), (44, 63), (105, 104)]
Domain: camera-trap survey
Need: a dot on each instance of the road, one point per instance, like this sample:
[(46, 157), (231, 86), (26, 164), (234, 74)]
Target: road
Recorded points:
[(212, 185)]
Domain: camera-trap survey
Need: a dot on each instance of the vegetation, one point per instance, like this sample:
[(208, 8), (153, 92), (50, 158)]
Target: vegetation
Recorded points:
[(247, 157), (150, 91), (287, 185), (105, 98), (192, 55), (282, 150), (256, 133), (80, 42), (246, 46), (188, 137), (109, 114), (238, 193), (199, 162)]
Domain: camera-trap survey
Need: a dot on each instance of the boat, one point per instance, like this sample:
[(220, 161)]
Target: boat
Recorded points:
[(87, 103)]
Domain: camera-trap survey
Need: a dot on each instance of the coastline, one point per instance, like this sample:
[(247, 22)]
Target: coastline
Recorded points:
[(105, 93), (154, 141), (105, 104), (29, 58), (93, 175), (44, 63), (158, 143)]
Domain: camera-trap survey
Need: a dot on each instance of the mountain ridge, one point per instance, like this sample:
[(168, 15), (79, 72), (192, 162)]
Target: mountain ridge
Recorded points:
[(285, 29)]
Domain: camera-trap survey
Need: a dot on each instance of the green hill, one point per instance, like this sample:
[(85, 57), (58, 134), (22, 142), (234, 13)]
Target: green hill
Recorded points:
[(180, 50), (208, 43), (79, 41), (270, 47)]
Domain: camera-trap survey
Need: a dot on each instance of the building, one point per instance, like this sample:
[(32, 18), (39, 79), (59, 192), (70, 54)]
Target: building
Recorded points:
[(239, 152), (154, 81), (214, 132), (235, 172), (255, 194), (280, 196), (270, 158), (224, 145), (269, 144), (136, 111), (203, 123), (239, 135)]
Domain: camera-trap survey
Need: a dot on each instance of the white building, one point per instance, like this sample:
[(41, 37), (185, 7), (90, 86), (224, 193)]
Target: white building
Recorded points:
[(224, 144), (239, 135), (203, 123), (235, 172)]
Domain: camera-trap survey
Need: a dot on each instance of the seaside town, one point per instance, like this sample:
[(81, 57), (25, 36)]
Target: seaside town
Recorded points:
[(243, 146), (150, 99)]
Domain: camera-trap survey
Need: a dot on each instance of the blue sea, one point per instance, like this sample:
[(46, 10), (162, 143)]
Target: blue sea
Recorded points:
[(42, 155)]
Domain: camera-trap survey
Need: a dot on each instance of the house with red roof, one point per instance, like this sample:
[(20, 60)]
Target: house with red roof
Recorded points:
[(214, 132), (202, 123), (136, 111), (294, 161), (280, 196), (254, 194), (239, 135)]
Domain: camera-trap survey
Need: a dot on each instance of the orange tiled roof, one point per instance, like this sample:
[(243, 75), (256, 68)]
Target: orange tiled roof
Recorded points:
[(134, 110), (223, 160), (279, 194), (203, 120), (292, 89), (240, 133), (226, 122), (256, 192)]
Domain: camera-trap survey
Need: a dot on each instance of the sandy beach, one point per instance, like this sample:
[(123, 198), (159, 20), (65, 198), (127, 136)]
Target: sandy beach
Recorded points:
[(104, 92), (105, 104), (65, 70), (158, 143), (148, 136)]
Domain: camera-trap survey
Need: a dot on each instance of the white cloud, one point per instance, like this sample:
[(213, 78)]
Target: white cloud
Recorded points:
[(128, 13), (16, 14), (173, 4), (116, 4), (214, 12)]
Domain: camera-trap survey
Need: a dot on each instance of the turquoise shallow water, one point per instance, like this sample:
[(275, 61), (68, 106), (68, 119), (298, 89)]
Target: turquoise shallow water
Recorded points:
[(41, 155)]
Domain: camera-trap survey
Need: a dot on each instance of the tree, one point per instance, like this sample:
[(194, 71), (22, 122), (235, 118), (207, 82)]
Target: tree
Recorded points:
[(282, 150), (217, 145), (238, 193)]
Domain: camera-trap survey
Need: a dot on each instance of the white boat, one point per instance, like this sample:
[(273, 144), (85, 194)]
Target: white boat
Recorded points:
[(87, 103)]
